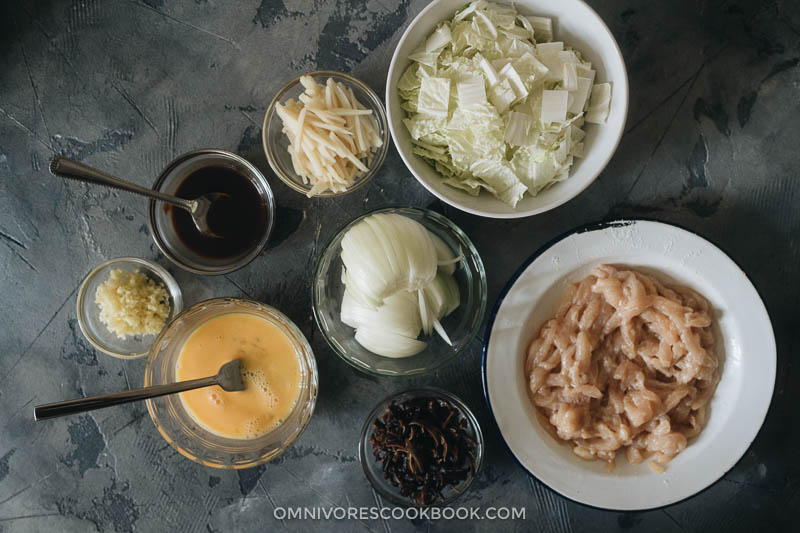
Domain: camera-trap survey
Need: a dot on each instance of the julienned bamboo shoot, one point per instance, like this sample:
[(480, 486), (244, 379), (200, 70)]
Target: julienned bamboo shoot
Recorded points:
[(332, 136)]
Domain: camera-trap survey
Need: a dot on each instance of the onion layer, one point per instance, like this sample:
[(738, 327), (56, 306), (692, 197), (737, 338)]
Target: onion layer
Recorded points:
[(398, 280)]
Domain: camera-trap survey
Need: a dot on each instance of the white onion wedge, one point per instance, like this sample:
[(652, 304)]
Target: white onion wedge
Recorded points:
[(398, 279), (388, 344)]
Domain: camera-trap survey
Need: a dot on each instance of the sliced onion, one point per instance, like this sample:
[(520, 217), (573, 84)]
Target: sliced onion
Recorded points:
[(350, 310), (425, 316), (442, 333), (453, 294), (357, 294), (444, 256), (397, 315), (398, 281), (397, 261), (368, 269), (399, 255), (388, 344), (419, 250)]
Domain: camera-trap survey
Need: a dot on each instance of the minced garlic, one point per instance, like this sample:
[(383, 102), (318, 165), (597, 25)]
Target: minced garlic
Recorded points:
[(132, 304)]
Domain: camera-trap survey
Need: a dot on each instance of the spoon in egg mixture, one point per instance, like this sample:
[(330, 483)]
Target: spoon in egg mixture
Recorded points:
[(229, 378)]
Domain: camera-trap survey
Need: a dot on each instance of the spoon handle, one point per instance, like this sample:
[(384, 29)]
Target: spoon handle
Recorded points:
[(79, 405), (64, 167)]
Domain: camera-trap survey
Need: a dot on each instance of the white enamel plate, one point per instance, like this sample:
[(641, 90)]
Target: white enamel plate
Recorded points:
[(745, 346)]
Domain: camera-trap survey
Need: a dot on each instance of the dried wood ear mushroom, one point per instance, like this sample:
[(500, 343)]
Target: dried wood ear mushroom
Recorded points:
[(424, 445)]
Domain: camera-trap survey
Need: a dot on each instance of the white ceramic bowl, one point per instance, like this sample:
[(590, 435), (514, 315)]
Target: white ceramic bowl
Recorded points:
[(576, 24), (745, 345)]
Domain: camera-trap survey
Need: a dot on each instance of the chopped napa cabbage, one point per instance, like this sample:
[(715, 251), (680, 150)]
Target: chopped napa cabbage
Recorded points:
[(431, 147), (519, 124), (538, 168), (568, 56), (532, 71), (597, 112), (504, 18), (580, 95), (471, 92), (470, 186), (570, 77), (495, 104), (421, 125), (467, 11), (481, 16), (410, 106), (542, 28), (488, 70), (547, 49), (518, 47), (527, 26), (429, 59), (499, 175), (554, 106), (502, 95), (550, 55), (516, 33), (585, 72), (409, 81), (434, 97), (576, 134), (498, 64), (509, 73), (438, 39), (430, 151), (474, 133), (459, 69)]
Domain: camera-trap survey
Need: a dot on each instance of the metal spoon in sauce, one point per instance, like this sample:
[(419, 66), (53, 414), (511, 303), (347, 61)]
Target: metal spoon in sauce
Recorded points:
[(64, 167), (229, 378)]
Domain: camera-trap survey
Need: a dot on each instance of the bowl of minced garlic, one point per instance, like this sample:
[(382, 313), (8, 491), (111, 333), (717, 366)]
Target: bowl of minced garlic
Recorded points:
[(124, 303)]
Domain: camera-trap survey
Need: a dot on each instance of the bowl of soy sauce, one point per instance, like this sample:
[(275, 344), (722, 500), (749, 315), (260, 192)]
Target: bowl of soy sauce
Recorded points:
[(242, 220)]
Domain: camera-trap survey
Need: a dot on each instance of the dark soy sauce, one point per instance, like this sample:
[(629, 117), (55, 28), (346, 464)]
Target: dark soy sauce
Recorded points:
[(240, 219)]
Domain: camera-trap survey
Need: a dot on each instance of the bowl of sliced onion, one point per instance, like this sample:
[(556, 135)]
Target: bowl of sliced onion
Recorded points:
[(325, 133), (399, 291)]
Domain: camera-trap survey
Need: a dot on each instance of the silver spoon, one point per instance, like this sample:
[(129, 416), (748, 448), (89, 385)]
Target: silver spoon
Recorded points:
[(229, 378), (64, 167)]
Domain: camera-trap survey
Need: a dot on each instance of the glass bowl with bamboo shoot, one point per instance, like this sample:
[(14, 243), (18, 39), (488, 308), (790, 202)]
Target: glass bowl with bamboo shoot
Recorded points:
[(325, 134)]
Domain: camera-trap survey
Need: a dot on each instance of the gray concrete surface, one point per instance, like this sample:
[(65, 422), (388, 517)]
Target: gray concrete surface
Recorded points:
[(126, 85)]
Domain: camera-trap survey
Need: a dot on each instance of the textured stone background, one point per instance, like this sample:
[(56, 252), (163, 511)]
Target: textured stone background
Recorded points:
[(126, 85)]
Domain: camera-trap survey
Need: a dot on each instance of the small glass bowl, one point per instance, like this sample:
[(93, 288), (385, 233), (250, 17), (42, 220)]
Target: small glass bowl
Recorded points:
[(276, 143), (178, 427), (461, 325), (159, 214), (96, 332), (373, 468)]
